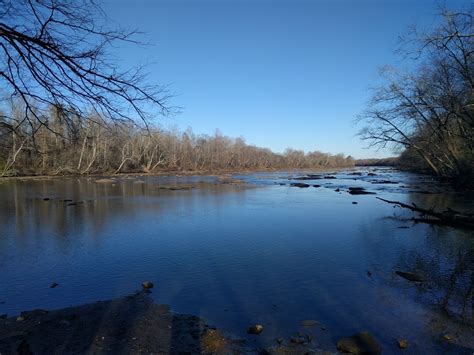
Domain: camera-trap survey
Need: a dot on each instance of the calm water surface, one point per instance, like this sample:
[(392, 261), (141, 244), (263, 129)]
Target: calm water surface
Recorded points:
[(237, 255)]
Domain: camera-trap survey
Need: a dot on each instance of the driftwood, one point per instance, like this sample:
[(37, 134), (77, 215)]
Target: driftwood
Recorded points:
[(449, 217)]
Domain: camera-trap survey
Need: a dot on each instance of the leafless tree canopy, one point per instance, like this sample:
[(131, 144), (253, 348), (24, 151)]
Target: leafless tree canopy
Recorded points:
[(86, 146), (429, 112), (54, 53)]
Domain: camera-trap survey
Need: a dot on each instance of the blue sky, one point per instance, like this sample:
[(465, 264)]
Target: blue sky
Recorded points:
[(278, 73)]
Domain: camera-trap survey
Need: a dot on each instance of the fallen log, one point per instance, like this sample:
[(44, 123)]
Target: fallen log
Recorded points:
[(449, 217)]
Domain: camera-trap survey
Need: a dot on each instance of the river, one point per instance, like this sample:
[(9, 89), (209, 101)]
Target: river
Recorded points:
[(261, 251)]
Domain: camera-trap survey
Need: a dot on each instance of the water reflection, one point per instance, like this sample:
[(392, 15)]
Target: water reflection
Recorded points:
[(70, 205)]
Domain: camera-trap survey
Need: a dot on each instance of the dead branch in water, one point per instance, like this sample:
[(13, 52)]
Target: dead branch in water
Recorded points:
[(449, 217)]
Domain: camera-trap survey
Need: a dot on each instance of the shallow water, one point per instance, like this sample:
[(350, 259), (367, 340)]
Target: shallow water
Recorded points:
[(238, 255)]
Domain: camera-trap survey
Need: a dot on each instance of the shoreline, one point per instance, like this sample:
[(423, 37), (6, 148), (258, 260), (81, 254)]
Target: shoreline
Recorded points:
[(216, 173), (126, 325)]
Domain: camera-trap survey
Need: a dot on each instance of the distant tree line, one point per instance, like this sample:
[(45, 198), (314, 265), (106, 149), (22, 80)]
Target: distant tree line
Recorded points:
[(428, 113), (67, 143)]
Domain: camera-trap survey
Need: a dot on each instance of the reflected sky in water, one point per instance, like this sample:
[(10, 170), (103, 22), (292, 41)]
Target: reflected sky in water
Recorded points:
[(238, 255)]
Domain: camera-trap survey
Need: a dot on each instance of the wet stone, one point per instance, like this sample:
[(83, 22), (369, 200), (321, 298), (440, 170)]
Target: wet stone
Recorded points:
[(402, 343), (299, 184), (410, 276), (297, 340), (147, 285), (360, 343), (255, 329), (309, 323)]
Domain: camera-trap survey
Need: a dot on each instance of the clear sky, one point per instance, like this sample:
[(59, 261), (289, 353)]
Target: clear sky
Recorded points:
[(291, 73)]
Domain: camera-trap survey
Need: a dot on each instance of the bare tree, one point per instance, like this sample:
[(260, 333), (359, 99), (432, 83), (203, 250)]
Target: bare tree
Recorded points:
[(55, 53), (430, 112)]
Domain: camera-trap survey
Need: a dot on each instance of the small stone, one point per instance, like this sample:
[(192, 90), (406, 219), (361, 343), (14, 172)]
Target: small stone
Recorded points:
[(54, 285), (403, 343), (20, 319), (255, 329), (354, 202), (147, 285), (297, 340), (309, 323), (410, 276), (448, 337), (299, 184), (360, 343)]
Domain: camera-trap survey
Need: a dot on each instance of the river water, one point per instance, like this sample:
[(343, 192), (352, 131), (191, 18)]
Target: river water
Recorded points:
[(239, 254)]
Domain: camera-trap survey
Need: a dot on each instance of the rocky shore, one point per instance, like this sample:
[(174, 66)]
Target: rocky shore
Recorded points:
[(132, 324)]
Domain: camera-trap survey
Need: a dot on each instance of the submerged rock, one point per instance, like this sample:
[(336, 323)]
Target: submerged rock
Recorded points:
[(359, 191), (255, 329), (53, 285), (384, 182), (299, 184), (410, 276), (105, 181), (175, 188), (448, 337), (147, 285), (309, 323), (402, 343), (297, 340), (360, 343), (308, 177)]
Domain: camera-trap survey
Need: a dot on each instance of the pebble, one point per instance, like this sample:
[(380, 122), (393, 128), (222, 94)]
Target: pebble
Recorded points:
[(255, 329)]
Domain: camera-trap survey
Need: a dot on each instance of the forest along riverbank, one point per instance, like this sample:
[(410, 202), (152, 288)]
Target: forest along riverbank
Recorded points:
[(313, 257)]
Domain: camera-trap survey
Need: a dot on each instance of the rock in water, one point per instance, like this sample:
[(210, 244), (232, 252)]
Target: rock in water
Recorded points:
[(359, 191), (403, 343), (309, 323), (410, 276), (53, 285), (147, 285), (360, 343), (299, 184), (297, 340), (255, 329)]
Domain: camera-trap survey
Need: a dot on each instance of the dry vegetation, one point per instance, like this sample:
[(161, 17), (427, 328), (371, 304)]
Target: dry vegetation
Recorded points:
[(429, 113), (72, 144)]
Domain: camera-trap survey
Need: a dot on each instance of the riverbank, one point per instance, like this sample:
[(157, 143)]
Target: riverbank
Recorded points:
[(214, 172), (129, 325)]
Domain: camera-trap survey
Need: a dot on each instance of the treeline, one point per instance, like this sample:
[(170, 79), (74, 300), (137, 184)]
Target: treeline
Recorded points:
[(66, 143), (428, 113)]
